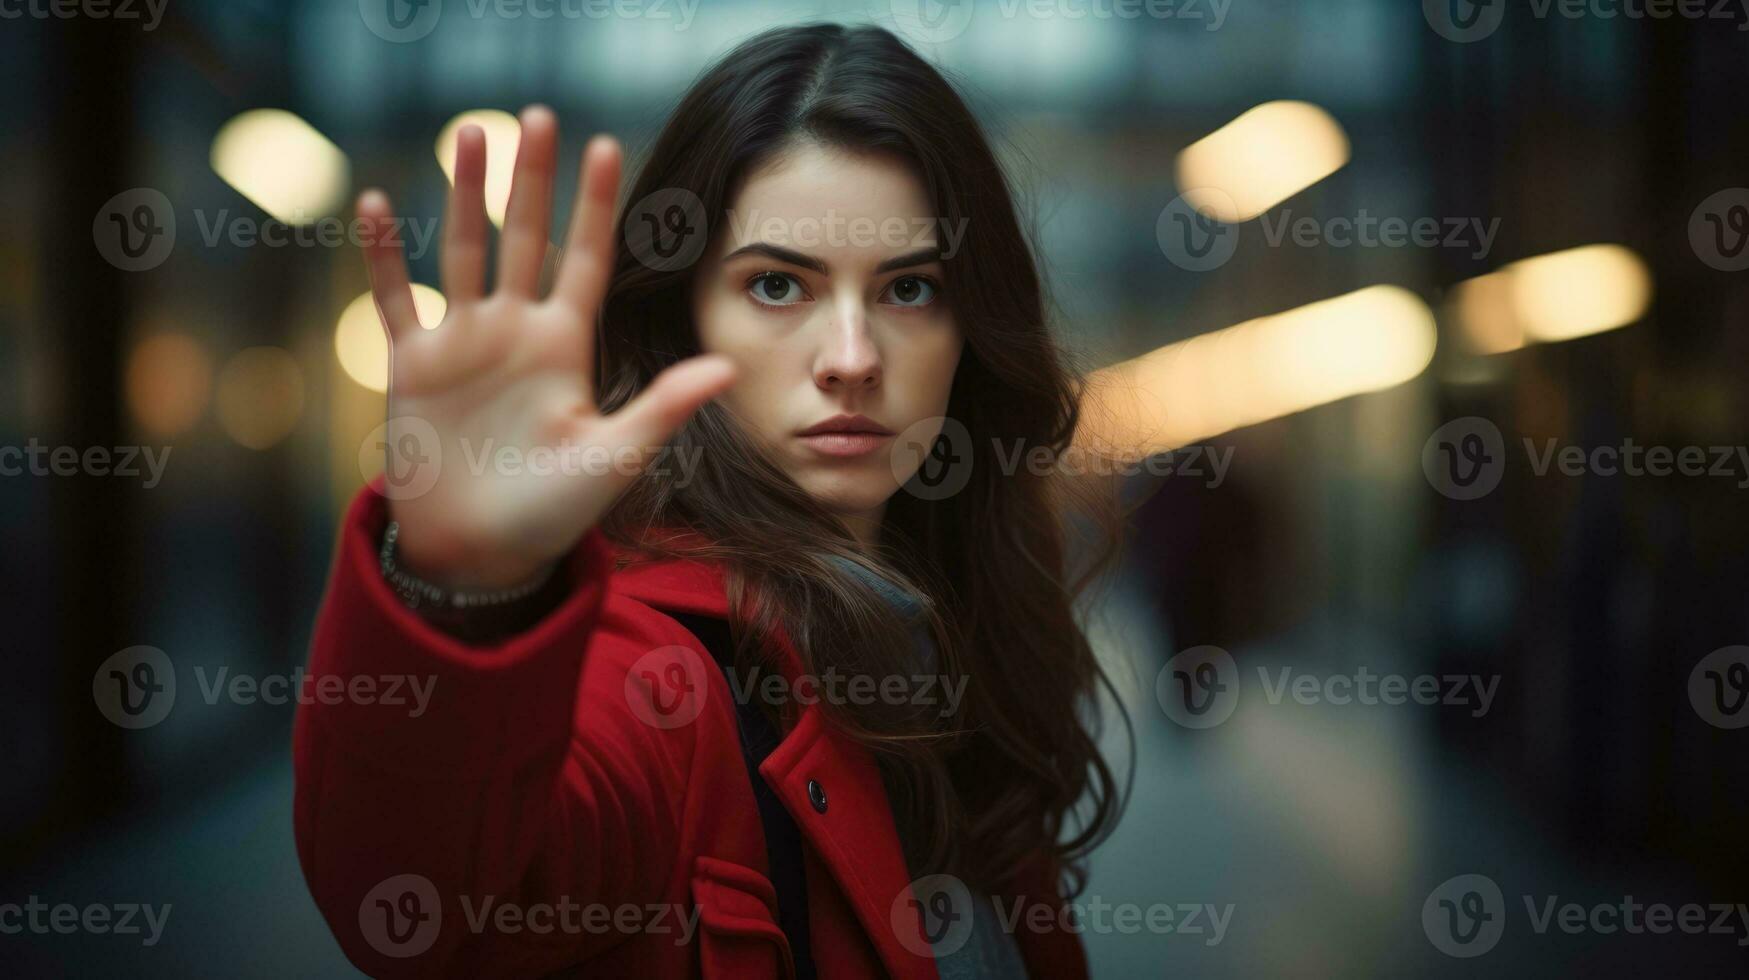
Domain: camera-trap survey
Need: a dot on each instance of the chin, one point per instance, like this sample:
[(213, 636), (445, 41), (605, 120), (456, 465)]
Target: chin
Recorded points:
[(851, 490)]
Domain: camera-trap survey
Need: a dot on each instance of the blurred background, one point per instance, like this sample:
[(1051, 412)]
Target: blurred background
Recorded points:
[(1448, 298)]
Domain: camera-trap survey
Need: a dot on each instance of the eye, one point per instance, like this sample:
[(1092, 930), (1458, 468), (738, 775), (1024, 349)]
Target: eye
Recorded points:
[(912, 291), (776, 289)]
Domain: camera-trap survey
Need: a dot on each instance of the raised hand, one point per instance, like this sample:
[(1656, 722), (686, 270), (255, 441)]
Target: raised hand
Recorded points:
[(527, 463)]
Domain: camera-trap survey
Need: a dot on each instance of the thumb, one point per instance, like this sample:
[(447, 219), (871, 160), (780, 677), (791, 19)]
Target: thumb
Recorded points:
[(671, 398)]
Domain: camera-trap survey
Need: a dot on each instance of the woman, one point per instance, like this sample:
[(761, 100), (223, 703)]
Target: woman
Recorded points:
[(721, 684)]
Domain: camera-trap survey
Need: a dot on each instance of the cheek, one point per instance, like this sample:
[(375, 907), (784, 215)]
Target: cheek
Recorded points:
[(725, 326), (931, 364)]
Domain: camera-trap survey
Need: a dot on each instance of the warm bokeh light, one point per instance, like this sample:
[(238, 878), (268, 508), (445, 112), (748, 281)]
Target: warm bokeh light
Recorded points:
[(503, 135), (1560, 296), (283, 164), (169, 381), (1260, 159), (363, 347), (1261, 369), (260, 396)]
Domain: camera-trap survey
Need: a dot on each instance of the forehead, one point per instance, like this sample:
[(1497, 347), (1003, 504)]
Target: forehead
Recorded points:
[(820, 196)]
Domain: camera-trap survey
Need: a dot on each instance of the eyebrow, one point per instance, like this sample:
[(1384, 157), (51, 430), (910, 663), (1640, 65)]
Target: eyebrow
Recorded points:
[(922, 256)]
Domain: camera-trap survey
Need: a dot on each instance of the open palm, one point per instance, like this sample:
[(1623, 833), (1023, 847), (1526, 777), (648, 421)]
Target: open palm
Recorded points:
[(526, 461)]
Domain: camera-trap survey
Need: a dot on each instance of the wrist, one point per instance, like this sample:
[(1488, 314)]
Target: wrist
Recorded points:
[(470, 586)]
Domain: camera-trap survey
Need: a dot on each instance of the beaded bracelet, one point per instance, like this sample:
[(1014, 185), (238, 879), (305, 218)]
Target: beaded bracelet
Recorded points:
[(418, 593)]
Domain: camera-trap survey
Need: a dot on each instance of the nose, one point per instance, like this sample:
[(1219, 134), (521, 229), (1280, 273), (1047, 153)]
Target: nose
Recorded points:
[(848, 358)]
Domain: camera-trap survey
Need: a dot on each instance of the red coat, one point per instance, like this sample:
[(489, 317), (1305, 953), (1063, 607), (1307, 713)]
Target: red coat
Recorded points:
[(539, 815)]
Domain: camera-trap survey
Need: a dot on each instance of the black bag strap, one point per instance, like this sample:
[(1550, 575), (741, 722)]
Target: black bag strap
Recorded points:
[(783, 840)]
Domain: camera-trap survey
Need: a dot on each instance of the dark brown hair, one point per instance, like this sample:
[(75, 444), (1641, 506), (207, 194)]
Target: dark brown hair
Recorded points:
[(1015, 777)]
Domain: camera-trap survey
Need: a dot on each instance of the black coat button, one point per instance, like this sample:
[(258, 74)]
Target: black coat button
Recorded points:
[(817, 796)]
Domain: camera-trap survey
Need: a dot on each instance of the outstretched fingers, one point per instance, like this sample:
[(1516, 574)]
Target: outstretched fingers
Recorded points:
[(523, 246), (588, 263), (386, 262), (464, 225)]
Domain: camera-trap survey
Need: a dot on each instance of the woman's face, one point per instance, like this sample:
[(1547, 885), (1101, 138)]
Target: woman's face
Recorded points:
[(825, 286)]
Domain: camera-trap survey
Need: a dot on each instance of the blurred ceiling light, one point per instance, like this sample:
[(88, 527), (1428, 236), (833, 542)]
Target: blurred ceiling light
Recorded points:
[(1261, 369), (362, 346), (503, 135), (283, 164), (169, 380), (1260, 159), (1560, 296), (260, 396)]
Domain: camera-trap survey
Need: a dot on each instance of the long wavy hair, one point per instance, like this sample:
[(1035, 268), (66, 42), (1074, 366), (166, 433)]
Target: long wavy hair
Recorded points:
[(1014, 777)]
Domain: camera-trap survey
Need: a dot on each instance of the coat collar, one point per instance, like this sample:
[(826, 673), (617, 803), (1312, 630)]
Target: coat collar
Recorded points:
[(855, 837)]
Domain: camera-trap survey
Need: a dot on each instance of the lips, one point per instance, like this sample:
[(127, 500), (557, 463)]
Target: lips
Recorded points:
[(845, 436), (847, 425)]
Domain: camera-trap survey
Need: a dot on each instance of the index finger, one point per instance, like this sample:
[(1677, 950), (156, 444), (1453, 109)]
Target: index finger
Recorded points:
[(588, 262)]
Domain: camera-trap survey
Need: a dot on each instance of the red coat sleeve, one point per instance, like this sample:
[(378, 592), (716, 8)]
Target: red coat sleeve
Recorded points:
[(499, 776)]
